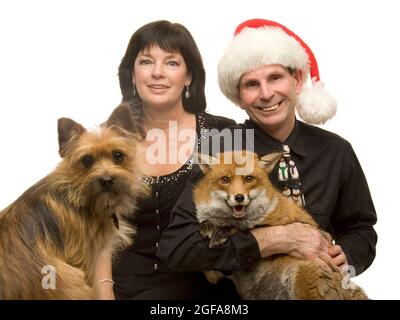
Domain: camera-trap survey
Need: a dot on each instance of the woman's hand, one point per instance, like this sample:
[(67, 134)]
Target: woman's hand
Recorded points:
[(103, 284), (104, 290)]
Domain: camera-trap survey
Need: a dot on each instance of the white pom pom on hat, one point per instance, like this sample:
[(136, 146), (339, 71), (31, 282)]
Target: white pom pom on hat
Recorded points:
[(260, 42)]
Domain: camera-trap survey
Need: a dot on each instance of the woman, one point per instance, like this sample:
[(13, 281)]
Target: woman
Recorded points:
[(163, 78)]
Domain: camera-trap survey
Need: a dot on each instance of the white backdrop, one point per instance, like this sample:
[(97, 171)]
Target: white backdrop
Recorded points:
[(60, 58)]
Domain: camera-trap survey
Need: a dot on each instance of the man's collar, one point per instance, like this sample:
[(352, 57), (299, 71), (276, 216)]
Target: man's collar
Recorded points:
[(293, 141)]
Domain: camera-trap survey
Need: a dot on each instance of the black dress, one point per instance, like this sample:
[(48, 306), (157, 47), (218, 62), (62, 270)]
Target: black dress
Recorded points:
[(137, 272)]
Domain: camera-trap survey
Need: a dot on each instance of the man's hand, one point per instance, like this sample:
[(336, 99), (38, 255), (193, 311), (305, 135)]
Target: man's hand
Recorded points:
[(298, 240), (305, 242), (338, 257)]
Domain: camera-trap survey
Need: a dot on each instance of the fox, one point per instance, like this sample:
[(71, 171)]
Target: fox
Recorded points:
[(235, 194)]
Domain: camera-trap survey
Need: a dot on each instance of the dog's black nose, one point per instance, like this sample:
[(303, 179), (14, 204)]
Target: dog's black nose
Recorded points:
[(106, 182), (239, 198)]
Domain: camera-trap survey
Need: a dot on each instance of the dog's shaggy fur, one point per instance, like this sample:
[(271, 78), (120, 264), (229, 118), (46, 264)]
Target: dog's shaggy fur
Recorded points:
[(65, 220)]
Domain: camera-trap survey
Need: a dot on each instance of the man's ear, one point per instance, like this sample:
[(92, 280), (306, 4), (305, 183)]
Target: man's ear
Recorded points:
[(300, 80), (240, 100), (269, 161), (68, 130)]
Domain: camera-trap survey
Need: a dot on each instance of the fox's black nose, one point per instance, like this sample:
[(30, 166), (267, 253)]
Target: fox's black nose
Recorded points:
[(106, 182), (239, 198)]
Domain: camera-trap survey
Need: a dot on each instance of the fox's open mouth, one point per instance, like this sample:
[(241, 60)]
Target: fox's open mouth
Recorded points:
[(239, 211)]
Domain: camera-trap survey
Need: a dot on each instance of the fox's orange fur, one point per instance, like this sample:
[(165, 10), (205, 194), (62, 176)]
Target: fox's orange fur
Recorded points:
[(228, 199)]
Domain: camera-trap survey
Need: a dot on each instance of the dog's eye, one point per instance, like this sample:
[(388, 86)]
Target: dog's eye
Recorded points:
[(118, 156), (249, 178), (87, 161), (225, 180)]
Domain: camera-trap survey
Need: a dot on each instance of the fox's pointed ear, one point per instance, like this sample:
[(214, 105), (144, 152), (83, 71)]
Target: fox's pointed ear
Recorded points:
[(123, 117), (68, 130), (205, 161), (269, 161)]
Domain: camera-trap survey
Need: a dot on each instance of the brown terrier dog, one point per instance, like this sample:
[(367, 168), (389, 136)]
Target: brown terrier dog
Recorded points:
[(238, 195), (64, 221)]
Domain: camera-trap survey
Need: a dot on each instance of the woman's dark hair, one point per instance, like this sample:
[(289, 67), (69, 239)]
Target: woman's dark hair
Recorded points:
[(170, 37)]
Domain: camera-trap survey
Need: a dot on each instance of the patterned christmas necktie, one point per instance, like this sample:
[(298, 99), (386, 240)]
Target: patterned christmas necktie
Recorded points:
[(288, 178)]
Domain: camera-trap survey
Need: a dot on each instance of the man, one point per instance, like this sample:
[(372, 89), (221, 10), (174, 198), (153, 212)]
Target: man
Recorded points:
[(264, 71)]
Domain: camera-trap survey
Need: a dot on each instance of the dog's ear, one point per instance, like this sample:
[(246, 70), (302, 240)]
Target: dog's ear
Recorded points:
[(269, 161), (68, 130), (205, 161), (123, 117)]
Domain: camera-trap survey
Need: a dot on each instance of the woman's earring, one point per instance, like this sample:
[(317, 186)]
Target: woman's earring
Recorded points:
[(187, 93), (134, 90)]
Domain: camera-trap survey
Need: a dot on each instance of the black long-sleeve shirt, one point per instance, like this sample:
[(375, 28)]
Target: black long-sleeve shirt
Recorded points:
[(153, 214), (336, 194)]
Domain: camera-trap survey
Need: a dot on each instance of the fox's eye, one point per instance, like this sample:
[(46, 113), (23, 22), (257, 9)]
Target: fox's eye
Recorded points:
[(249, 178), (118, 156), (87, 161), (225, 180)]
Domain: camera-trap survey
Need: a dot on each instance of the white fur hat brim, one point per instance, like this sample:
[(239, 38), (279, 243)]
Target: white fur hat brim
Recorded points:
[(253, 48)]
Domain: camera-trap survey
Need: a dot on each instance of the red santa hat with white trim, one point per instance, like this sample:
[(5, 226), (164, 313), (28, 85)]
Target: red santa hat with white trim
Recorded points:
[(260, 42)]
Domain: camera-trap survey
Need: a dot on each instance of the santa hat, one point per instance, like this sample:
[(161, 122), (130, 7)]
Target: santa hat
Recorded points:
[(261, 42)]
